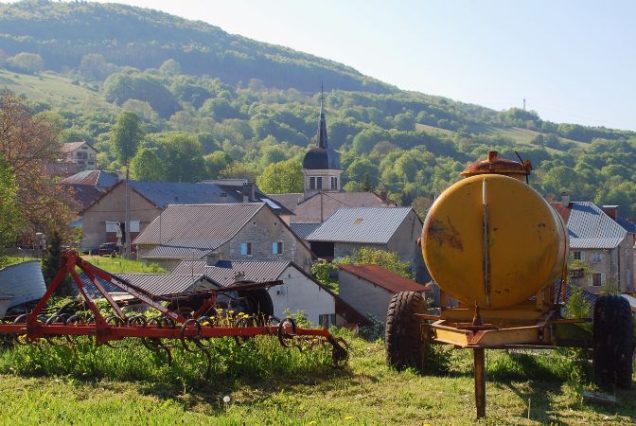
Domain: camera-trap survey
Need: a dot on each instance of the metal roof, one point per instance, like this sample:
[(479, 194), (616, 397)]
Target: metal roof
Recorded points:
[(226, 272), (373, 225), (303, 229), (384, 278), (191, 267), (203, 226), (168, 252), (163, 284), (98, 178), (590, 227)]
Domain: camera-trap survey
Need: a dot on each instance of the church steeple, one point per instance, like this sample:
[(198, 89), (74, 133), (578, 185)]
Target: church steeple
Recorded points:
[(321, 137), (321, 165)]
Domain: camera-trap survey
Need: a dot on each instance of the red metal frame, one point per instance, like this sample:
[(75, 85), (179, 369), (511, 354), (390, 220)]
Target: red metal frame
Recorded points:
[(104, 332)]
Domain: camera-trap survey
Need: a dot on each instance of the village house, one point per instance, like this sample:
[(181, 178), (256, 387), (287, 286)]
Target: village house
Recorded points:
[(393, 229), (238, 231), (369, 288), (80, 153), (86, 187), (603, 248), (103, 220)]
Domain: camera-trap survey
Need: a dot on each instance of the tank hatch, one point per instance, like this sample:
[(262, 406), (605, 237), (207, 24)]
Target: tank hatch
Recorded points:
[(495, 165)]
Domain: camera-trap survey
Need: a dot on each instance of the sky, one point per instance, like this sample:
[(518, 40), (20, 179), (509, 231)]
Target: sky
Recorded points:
[(572, 60)]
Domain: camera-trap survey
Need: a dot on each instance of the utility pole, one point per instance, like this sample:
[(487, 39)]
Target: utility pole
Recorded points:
[(127, 216)]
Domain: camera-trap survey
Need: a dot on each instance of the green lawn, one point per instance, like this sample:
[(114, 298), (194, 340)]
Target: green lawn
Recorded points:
[(121, 265), (270, 385)]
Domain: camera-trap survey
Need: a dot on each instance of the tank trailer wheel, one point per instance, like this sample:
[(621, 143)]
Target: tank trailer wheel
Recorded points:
[(403, 338), (613, 342)]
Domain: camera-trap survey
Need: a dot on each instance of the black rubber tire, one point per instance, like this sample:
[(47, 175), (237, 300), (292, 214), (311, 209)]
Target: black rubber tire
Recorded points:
[(260, 301), (613, 342), (402, 337)]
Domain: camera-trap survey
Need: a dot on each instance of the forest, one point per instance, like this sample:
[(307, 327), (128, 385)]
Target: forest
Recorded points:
[(216, 105)]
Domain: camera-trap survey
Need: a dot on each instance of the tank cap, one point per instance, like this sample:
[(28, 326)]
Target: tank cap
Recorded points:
[(494, 165)]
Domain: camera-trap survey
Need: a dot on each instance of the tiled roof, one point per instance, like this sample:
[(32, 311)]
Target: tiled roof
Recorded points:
[(226, 272), (168, 252), (97, 178), (373, 225), (384, 278), (303, 229), (589, 227), (203, 226), (72, 146), (164, 284)]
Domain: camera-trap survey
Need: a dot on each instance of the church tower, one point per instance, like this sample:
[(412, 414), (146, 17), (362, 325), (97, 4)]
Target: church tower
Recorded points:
[(321, 165)]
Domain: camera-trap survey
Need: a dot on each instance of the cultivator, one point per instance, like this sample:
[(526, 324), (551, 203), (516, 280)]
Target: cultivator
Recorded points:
[(158, 333)]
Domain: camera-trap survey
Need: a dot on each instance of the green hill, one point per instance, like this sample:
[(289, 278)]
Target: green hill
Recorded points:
[(243, 105)]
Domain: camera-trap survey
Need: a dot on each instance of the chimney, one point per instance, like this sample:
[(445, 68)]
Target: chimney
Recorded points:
[(611, 211), (565, 199), (248, 192)]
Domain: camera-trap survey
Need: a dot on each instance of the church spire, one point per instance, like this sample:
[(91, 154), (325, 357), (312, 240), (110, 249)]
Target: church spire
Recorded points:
[(321, 139)]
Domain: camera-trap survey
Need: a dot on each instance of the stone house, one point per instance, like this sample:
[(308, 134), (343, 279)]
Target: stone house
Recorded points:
[(369, 288), (600, 243), (238, 231), (102, 220), (80, 153), (395, 229)]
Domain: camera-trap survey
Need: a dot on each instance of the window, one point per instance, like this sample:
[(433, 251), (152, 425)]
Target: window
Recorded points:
[(277, 247), (315, 182), (596, 257), (597, 280), (334, 182), (327, 320), (246, 249), (577, 255)]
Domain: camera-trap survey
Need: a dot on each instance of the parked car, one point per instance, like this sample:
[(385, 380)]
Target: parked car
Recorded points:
[(108, 249)]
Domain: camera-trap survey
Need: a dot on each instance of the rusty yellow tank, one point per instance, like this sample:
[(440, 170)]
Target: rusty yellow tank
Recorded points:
[(491, 239)]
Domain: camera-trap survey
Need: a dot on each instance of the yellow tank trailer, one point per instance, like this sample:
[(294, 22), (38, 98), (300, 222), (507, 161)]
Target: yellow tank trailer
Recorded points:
[(499, 253)]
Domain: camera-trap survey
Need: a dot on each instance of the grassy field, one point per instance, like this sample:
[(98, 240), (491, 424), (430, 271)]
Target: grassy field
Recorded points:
[(121, 265), (267, 384)]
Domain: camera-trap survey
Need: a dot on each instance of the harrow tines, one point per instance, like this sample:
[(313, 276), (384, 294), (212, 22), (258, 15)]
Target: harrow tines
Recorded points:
[(283, 336)]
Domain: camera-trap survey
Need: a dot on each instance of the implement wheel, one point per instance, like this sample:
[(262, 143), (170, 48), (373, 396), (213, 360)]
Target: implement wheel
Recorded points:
[(403, 338), (260, 301), (613, 342)]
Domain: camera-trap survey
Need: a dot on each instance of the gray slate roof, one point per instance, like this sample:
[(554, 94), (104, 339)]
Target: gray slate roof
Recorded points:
[(168, 252), (163, 193), (372, 225), (589, 227), (203, 226)]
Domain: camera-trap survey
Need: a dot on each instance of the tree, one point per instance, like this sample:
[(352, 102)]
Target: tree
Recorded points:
[(146, 165), (51, 263), (11, 221), (182, 157), (282, 177), (215, 162), (28, 143), (126, 136), (30, 63), (386, 259)]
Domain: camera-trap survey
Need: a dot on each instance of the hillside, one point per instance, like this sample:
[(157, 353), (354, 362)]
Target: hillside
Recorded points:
[(62, 33), (227, 106)]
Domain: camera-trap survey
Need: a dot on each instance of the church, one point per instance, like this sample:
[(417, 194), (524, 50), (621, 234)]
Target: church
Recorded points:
[(323, 193)]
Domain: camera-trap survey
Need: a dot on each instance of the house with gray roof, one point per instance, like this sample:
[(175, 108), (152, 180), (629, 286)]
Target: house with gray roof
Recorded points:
[(394, 229), (299, 291), (238, 231), (102, 220), (600, 243)]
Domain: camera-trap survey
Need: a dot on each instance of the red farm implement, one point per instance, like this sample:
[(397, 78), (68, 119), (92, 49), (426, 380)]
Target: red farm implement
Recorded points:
[(191, 330)]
